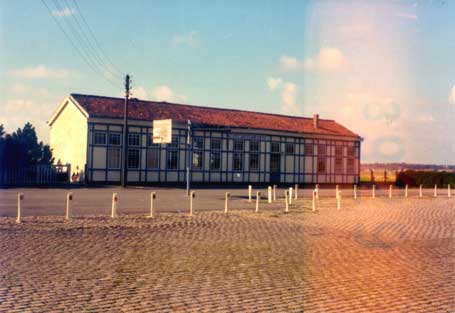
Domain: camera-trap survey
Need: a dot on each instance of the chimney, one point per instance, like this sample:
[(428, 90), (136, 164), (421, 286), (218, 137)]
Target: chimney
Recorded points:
[(315, 120)]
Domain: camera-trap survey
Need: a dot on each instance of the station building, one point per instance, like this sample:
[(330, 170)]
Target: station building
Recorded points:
[(227, 146)]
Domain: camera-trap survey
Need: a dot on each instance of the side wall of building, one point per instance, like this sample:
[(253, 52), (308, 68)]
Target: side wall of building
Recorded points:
[(68, 137), (221, 156)]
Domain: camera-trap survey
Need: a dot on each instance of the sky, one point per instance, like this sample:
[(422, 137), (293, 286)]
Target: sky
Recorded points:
[(384, 69)]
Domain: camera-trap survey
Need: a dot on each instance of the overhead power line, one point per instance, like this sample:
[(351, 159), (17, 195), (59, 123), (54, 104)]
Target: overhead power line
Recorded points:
[(79, 48)]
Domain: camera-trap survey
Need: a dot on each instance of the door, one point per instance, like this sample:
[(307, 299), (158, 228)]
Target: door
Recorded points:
[(275, 167)]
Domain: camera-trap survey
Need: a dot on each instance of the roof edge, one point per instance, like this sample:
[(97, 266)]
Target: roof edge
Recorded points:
[(62, 106)]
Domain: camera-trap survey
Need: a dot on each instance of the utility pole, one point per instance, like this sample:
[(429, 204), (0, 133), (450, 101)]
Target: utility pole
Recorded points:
[(125, 132), (189, 158)]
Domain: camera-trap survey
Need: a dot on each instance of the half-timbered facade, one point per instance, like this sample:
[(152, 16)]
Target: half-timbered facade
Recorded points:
[(226, 146)]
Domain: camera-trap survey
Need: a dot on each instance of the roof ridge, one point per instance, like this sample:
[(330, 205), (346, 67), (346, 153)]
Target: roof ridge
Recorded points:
[(206, 107)]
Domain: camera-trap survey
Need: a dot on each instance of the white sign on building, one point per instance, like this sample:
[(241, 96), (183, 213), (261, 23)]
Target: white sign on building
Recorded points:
[(162, 131)]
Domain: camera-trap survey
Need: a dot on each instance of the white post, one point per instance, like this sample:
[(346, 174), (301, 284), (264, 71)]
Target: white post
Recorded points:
[(226, 202), (258, 198), (435, 190), (152, 207), (355, 191), (373, 191), (20, 197), (449, 191), (406, 191), (69, 199), (269, 194), (286, 201), (290, 195), (317, 191), (192, 195), (420, 191), (338, 200), (114, 205), (296, 191), (250, 190), (274, 192), (390, 191), (314, 200)]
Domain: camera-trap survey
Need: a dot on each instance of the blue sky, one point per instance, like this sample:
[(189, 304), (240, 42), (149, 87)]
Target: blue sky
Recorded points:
[(384, 69)]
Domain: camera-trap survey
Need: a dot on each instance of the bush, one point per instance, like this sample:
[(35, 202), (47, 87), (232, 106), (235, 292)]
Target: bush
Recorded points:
[(425, 178)]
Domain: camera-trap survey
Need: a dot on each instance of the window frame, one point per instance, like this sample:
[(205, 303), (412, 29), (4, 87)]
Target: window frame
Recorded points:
[(170, 153), (275, 144), (112, 135), (95, 133), (136, 150), (258, 162), (147, 162), (134, 135), (339, 165), (215, 147), (236, 143), (238, 157), (289, 145), (322, 160), (255, 146), (109, 158), (212, 154)]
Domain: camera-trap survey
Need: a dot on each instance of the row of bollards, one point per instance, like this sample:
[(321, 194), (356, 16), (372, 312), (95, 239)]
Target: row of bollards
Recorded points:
[(290, 194)]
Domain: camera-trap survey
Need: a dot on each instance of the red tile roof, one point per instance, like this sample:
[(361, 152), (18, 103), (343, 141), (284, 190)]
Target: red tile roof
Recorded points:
[(98, 106)]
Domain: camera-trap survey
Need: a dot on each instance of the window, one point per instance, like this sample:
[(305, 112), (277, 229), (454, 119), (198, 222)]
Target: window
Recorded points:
[(350, 166), (134, 140), (215, 144), (198, 143), (254, 162), (254, 146), (174, 143), (133, 158), (322, 165), (113, 158), (351, 151), (289, 148), (99, 138), (215, 161), (153, 158), (238, 161), (197, 160), (339, 165), (172, 160), (238, 145), (339, 150), (275, 147), (322, 150), (309, 149), (115, 139)]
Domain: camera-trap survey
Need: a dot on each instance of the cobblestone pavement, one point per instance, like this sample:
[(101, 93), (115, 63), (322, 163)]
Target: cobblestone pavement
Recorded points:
[(378, 255)]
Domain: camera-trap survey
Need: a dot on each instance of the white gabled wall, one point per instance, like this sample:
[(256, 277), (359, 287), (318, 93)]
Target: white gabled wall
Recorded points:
[(68, 136)]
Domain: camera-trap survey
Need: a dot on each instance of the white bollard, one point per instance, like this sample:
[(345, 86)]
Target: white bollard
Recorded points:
[(69, 199), (355, 191), (20, 197), (406, 191), (290, 195), (274, 192), (373, 191), (420, 191), (286, 201), (269, 194), (226, 202), (449, 191), (250, 190), (338, 200), (296, 191), (192, 196), (314, 200), (258, 198), (435, 190), (390, 191), (317, 191), (114, 205), (337, 188), (152, 207)]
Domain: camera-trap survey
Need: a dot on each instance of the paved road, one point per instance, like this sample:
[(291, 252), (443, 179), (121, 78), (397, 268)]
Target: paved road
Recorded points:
[(376, 255)]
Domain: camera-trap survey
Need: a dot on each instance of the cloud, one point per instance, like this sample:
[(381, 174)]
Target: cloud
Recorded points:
[(273, 83), (21, 89), (288, 94), (185, 39), (407, 16), (139, 92), (63, 12), (165, 93), (327, 60), (452, 95), (39, 71)]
